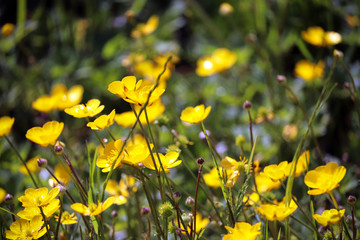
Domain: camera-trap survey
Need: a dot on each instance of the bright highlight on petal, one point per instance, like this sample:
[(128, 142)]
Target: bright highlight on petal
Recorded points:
[(318, 37), (220, 60)]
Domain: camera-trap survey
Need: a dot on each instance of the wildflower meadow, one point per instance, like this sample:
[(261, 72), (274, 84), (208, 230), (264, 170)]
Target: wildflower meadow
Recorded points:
[(179, 119)]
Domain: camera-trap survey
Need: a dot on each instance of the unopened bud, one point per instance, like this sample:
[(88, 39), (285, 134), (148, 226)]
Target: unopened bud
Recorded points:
[(8, 198), (189, 202), (114, 214), (200, 161), (240, 140), (176, 196), (281, 79), (247, 105), (42, 162), (59, 147), (346, 85), (338, 55), (166, 210), (62, 188), (187, 218), (351, 199), (145, 211)]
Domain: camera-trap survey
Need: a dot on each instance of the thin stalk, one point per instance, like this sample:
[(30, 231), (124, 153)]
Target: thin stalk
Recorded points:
[(332, 233), (250, 128), (46, 225), (149, 229), (196, 194), (59, 219), (74, 173), (353, 222), (333, 200), (22, 160), (110, 134)]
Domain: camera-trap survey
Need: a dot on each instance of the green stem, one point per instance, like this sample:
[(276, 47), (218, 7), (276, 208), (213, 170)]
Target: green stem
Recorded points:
[(59, 219), (334, 201), (46, 225), (22, 160), (113, 138)]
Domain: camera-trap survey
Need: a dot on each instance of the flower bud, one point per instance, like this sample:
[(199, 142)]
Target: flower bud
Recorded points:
[(42, 162), (190, 202), (145, 211), (162, 120), (247, 105), (114, 214), (351, 199), (346, 85), (166, 210), (176, 196), (187, 218), (62, 189), (240, 140), (200, 161), (281, 79), (338, 55), (8, 198), (59, 147), (322, 229)]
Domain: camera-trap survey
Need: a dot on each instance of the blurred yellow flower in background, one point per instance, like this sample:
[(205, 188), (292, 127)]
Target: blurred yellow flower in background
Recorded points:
[(32, 165), (118, 191), (220, 60), (195, 114), (323, 179), (102, 122), (301, 165), (318, 37), (62, 175), (226, 9), (144, 29), (290, 131), (243, 230), (91, 109), (6, 124), (2, 195), (93, 209), (7, 29), (309, 71), (45, 135), (251, 199), (329, 217)]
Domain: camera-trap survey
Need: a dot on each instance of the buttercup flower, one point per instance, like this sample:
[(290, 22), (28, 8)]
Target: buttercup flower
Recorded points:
[(323, 179), (290, 131), (7, 29), (93, 209), (309, 71), (29, 212), (212, 178), (235, 168), (277, 211), (318, 37), (102, 122), (243, 230), (265, 184), (32, 166), (62, 175), (40, 197), (277, 172), (225, 9), (264, 115), (45, 135), (2, 195), (118, 191), (110, 155), (135, 92), (195, 114), (91, 109), (201, 223), (252, 199), (170, 160), (143, 29), (136, 152), (301, 165), (67, 218), (26, 230), (329, 217), (220, 60), (6, 124)]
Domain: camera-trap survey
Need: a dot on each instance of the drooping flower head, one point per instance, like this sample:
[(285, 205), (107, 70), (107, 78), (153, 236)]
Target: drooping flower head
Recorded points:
[(329, 217), (91, 109), (45, 135), (309, 71), (6, 124), (102, 122), (135, 92), (195, 114), (27, 230), (323, 179), (169, 160), (93, 209), (318, 37), (243, 230)]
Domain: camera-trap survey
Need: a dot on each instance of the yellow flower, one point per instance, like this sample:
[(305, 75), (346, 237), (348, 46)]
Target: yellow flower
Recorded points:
[(220, 60), (136, 152), (118, 191), (329, 217), (7, 29), (6, 124), (225, 9), (265, 184), (93, 209), (143, 29), (32, 166), (212, 179), (40, 197), (27, 230), (127, 119), (195, 114), (67, 218), (290, 131), (170, 160), (235, 168), (264, 115), (102, 122), (244, 231), (323, 179), (353, 21), (29, 212), (201, 223), (301, 165), (62, 175), (59, 99), (91, 109), (277, 211), (2, 195), (309, 71), (110, 155), (277, 172), (135, 92), (45, 135), (318, 37), (252, 199)]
